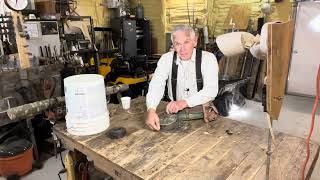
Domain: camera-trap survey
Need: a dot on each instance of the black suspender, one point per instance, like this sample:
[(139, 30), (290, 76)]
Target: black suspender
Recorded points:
[(174, 73), (198, 69)]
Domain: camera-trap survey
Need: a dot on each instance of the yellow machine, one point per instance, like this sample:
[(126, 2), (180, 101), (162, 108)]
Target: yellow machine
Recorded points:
[(105, 69), (130, 81), (105, 66)]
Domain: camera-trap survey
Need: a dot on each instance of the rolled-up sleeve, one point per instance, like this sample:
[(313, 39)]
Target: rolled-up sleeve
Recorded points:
[(158, 82), (210, 70)]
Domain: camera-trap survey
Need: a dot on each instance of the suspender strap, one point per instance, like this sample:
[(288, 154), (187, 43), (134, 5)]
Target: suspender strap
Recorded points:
[(174, 74), (198, 69)]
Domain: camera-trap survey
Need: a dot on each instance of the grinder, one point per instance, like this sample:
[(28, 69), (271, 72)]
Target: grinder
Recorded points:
[(207, 112)]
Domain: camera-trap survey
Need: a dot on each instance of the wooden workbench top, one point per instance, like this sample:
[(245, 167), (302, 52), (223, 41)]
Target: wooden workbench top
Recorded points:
[(199, 151)]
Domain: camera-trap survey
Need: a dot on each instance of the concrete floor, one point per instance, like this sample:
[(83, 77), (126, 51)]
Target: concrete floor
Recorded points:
[(295, 118)]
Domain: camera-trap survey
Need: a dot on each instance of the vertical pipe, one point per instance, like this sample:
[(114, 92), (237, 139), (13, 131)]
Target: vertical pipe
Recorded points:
[(193, 23), (269, 152), (188, 12)]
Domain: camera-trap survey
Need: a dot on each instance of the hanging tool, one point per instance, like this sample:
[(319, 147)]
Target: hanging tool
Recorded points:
[(50, 54), (19, 26), (1, 55), (56, 58), (41, 52), (47, 54)]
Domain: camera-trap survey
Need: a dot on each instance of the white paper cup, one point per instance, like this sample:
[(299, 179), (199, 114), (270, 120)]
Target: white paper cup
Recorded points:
[(125, 101)]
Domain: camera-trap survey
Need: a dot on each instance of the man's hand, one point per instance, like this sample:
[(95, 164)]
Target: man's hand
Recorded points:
[(176, 106), (153, 120)]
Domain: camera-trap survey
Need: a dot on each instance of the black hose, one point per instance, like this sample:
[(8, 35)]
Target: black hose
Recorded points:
[(60, 149)]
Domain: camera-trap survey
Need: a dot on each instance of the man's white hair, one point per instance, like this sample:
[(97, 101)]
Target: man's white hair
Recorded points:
[(184, 28)]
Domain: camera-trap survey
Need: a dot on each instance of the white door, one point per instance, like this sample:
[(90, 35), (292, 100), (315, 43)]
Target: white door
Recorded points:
[(306, 50)]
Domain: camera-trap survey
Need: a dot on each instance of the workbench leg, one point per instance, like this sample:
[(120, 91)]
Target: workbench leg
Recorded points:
[(78, 160), (34, 143)]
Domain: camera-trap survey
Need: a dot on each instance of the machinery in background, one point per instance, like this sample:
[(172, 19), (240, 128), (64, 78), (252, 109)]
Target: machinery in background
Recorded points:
[(129, 40), (133, 38), (78, 39)]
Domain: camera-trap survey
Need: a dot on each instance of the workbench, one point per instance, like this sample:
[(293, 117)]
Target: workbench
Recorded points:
[(223, 149)]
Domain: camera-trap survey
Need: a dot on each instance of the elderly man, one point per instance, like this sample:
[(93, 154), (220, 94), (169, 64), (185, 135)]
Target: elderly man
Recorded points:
[(192, 76)]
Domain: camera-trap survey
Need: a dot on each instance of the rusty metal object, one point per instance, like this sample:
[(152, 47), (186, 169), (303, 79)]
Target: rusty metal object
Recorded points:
[(210, 112)]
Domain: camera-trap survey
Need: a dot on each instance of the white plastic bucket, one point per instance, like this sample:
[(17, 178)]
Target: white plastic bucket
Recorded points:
[(86, 104)]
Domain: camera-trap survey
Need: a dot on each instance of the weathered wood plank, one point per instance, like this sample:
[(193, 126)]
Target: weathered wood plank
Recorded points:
[(279, 51), (112, 147), (212, 133), (61, 129), (159, 140), (147, 142), (248, 168), (294, 164), (179, 142), (213, 138), (314, 155), (202, 151), (223, 159), (280, 158), (100, 162)]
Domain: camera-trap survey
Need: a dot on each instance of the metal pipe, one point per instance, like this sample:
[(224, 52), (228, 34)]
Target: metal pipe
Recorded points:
[(193, 23), (188, 12), (30, 110), (269, 152)]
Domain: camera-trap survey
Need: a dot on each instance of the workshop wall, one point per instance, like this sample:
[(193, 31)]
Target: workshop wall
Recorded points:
[(177, 12), (99, 14), (218, 11), (165, 14), (154, 11)]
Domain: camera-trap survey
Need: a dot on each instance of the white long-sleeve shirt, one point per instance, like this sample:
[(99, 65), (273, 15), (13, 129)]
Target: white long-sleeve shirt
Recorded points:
[(186, 80)]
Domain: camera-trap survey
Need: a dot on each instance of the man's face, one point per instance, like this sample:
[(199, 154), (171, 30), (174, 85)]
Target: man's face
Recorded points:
[(184, 44)]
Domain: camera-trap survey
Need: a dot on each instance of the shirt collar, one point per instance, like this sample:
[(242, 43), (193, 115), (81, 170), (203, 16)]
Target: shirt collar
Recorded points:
[(193, 57)]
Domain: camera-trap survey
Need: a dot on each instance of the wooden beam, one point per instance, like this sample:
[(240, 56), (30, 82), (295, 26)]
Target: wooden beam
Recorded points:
[(279, 50), (21, 41)]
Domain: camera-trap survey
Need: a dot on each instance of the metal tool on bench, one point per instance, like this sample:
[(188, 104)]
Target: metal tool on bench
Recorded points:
[(207, 112)]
